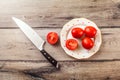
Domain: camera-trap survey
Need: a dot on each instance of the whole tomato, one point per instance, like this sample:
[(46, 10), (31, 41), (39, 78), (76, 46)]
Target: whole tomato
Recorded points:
[(87, 43), (90, 31), (77, 32)]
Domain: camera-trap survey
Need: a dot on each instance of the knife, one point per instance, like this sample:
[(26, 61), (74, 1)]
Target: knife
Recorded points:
[(36, 40)]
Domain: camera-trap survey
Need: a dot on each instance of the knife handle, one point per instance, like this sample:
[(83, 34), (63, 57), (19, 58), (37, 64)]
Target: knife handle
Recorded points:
[(50, 58)]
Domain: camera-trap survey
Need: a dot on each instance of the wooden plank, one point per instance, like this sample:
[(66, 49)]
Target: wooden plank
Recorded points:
[(14, 45), (15, 70), (14, 76), (108, 70), (86, 71), (23, 65), (51, 13)]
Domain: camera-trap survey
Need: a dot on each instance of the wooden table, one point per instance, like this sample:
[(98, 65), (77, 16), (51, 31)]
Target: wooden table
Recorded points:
[(21, 60)]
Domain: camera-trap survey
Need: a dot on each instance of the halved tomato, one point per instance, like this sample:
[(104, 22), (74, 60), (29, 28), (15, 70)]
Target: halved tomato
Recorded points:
[(71, 44), (52, 37)]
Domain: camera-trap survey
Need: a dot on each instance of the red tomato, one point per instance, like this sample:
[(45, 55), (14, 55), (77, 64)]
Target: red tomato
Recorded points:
[(87, 43), (90, 31), (71, 44), (52, 37), (77, 32)]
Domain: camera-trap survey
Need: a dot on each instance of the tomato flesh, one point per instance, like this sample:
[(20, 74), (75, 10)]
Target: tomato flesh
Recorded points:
[(90, 31), (77, 32), (71, 44), (52, 37), (87, 43)]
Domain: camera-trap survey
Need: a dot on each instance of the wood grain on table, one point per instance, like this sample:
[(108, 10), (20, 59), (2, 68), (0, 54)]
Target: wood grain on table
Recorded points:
[(21, 60)]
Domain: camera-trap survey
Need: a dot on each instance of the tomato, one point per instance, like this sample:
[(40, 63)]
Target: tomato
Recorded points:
[(90, 31), (77, 32), (87, 43), (71, 44), (52, 37)]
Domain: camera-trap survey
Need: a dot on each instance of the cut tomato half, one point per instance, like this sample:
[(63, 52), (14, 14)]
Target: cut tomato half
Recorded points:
[(52, 37), (71, 44)]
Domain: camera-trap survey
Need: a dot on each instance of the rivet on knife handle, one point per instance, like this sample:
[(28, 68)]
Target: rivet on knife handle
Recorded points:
[(50, 59)]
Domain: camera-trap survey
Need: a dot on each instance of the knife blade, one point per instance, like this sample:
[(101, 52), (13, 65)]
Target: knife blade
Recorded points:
[(36, 40)]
